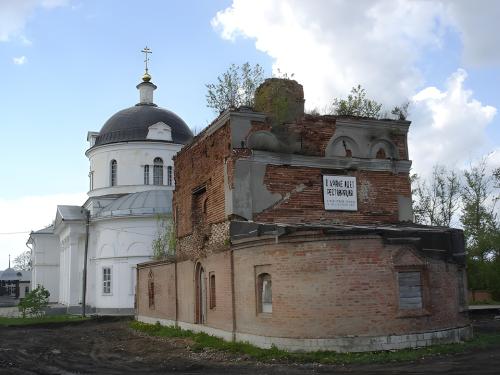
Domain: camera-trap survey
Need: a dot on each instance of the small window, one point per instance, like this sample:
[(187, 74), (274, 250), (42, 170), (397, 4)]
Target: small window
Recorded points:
[(158, 171), (114, 172), (169, 175), (410, 290), (146, 175), (106, 280), (26, 290), (91, 180), (380, 154), (212, 290), (265, 293), (151, 290)]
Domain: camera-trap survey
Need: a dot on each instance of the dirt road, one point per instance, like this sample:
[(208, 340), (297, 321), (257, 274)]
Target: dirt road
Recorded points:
[(110, 347)]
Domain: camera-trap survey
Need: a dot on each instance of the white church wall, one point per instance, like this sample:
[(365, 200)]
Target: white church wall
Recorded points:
[(45, 263), (121, 243), (72, 240), (131, 158)]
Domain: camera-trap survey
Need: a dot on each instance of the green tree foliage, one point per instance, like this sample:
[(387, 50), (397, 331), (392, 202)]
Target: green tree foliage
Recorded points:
[(400, 112), (356, 104), (23, 261), (478, 218), (33, 304), (435, 203), (235, 87), (164, 243)]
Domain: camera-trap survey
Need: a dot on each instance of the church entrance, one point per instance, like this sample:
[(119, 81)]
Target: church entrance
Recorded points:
[(201, 295)]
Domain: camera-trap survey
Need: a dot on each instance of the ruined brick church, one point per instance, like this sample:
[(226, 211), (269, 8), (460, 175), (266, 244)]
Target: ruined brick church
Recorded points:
[(296, 230)]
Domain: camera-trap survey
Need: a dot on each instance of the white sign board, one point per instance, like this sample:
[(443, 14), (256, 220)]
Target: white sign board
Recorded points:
[(339, 193)]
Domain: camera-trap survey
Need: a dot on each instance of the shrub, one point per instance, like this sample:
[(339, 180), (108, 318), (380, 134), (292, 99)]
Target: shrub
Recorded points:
[(34, 302)]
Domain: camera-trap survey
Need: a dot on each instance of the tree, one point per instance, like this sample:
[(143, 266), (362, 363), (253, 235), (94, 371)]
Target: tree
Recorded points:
[(401, 111), (478, 218), (235, 88), (34, 302), (164, 243), (356, 104), (23, 261), (435, 203), (481, 229)]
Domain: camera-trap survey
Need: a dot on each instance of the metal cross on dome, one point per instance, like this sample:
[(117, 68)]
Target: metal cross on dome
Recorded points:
[(146, 51)]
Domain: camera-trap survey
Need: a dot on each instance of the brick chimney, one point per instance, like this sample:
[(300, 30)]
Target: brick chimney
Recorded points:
[(282, 99)]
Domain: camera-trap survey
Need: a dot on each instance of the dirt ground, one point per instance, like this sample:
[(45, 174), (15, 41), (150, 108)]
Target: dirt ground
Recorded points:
[(110, 347)]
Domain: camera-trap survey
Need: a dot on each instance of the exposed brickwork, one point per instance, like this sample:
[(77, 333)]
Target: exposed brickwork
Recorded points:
[(314, 133), (323, 286), (338, 288), (164, 291), (199, 244), (202, 163), (301, 189)]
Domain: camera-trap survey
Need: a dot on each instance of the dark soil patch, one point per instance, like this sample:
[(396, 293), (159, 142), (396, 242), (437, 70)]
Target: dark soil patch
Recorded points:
[(107, 346)]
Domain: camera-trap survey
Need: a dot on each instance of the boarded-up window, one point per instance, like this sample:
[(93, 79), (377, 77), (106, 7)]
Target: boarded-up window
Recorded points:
[(212, 290), (151, 290), (410, 290)]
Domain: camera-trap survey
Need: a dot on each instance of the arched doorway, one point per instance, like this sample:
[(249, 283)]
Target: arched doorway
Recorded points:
[(201, 295)]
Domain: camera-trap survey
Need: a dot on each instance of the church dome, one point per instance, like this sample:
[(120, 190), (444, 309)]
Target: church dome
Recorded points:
[(10, 274), (132, 124)]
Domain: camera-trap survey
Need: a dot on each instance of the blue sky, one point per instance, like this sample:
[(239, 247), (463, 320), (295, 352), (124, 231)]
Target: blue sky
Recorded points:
[(66, 66)]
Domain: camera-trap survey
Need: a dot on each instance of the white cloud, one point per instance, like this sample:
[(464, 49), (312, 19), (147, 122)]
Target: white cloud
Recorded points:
[(19, 60), (333, 45), (15, 13), (24, 214), (448, 126), (477, 23)]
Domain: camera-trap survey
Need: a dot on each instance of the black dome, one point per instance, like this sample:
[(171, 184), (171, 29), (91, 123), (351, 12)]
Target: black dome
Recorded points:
[(132, 124)]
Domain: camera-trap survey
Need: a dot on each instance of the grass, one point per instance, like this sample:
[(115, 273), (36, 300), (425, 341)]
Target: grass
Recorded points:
[(202, 340), (13, 322), (485, 302)]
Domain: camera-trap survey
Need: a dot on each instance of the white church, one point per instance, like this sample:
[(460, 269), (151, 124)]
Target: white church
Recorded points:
[(91, 251)]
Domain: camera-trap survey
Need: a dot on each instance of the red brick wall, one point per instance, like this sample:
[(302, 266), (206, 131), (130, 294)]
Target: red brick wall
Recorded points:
[(377, 196), (201, 163), (218, 317), (164, 290), (333, 288)]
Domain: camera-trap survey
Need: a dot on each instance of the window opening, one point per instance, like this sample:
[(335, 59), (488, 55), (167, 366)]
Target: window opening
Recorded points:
[(146, 175), (410, 290), (158, 171), (106, 280), (114, 172)]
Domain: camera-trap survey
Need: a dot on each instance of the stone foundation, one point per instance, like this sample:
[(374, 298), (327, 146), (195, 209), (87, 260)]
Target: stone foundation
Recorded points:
[(337, 344)]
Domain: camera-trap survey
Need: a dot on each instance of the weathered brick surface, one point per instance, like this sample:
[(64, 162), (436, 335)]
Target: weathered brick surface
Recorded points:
[(336, 288), (301, 189), (323, 286), (218, 317), (201, 163), (164, 291)]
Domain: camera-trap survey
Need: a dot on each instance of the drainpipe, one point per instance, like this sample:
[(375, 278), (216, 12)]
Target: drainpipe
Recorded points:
[(85, 256), (233, 297), (176, 296)]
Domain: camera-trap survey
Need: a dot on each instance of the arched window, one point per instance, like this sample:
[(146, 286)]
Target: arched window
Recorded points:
[(146, 175), (169, 175), (265, 293), (158, 171), (114, 171)]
